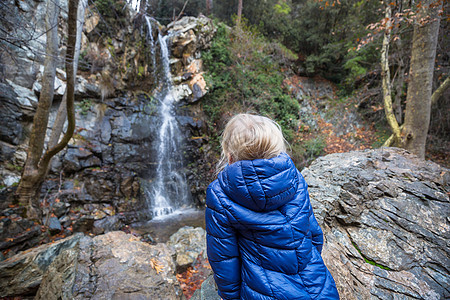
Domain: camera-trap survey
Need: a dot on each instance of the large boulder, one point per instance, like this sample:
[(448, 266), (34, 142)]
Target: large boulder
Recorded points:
[(21, 274), (384, 214), (115, 265), (110, 266)]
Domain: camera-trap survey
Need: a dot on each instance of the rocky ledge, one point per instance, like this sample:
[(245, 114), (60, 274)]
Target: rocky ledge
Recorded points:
[(384, 214), (115, 265)]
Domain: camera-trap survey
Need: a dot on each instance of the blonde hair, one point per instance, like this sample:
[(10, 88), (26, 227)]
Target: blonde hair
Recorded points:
[(248, 137)]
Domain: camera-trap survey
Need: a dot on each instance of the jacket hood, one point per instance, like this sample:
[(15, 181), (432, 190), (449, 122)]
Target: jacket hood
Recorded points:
[(261, 184)]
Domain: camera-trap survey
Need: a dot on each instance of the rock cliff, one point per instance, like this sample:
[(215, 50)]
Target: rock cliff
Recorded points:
[(384, 214), (95, 184)]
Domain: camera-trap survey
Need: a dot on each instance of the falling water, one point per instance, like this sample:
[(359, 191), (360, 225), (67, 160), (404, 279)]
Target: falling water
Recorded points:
[(151, 42), (168, 191)]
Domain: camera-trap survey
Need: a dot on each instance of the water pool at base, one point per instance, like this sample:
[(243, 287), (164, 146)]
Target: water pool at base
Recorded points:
[(160, 229)]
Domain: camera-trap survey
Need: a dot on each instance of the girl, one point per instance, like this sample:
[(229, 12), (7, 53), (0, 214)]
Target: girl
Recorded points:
[(263, 239)]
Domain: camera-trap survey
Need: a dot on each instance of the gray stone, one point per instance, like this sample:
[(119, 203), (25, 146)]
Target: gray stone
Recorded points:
[(26, 97), (112, 266), (60, 208), (54, 226), (208, 290), (77, 159), (11, 130), (22, 273), (107, 224), (84, 224), (6, 151), (189, 243), (383, 213), (8, 178)]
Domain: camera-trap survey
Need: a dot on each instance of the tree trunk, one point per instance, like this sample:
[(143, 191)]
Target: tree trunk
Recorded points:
[(30, 183), (418, 99), (399, 85), (239, 13), (386, 76), (208, 7), (440, 91), (61, 116), (36, 166)]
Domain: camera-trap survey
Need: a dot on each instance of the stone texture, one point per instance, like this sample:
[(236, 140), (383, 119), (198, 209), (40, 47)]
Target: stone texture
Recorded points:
[(54, 226), (208, 290), (22, 273), (189, 243), (17, 233), (190, 36), (385, 215), (11, 130), (112, 266)]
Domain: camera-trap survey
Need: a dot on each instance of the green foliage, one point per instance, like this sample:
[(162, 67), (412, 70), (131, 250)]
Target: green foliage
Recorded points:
[(358, 63), (245, 76), (319, 32), (382, 133), (314, 147), (353, 65), (84, 106), (141, 71), (282, 7)]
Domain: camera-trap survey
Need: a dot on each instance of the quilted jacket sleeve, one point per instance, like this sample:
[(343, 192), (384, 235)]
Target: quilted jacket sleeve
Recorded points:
[(222, 248), (317, 234)]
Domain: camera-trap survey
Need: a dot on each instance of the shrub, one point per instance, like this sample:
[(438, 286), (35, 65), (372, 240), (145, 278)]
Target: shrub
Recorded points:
[(246, 76)]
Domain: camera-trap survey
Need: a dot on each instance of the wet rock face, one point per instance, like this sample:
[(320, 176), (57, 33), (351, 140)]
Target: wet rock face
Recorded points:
[(95, 184), (384, 216)]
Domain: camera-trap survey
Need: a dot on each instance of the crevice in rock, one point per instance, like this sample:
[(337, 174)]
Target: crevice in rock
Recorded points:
[(369, 261)]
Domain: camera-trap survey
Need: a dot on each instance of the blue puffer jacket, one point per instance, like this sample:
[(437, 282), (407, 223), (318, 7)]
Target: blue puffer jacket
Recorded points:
[(263, 239)]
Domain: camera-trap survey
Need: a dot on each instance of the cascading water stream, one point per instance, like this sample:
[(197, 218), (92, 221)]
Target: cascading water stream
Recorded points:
[(168, 191), (152, 42)]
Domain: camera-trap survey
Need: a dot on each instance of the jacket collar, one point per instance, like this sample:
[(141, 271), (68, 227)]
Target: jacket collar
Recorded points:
[(261, 184)]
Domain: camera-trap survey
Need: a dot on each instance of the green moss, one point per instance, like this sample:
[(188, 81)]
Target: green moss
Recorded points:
[(141, 71), (13, 167), (84, 106), (369, 261)]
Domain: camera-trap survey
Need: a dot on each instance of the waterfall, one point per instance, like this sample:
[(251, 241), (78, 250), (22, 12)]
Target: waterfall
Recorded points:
[(168, 191), (151, 42)]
